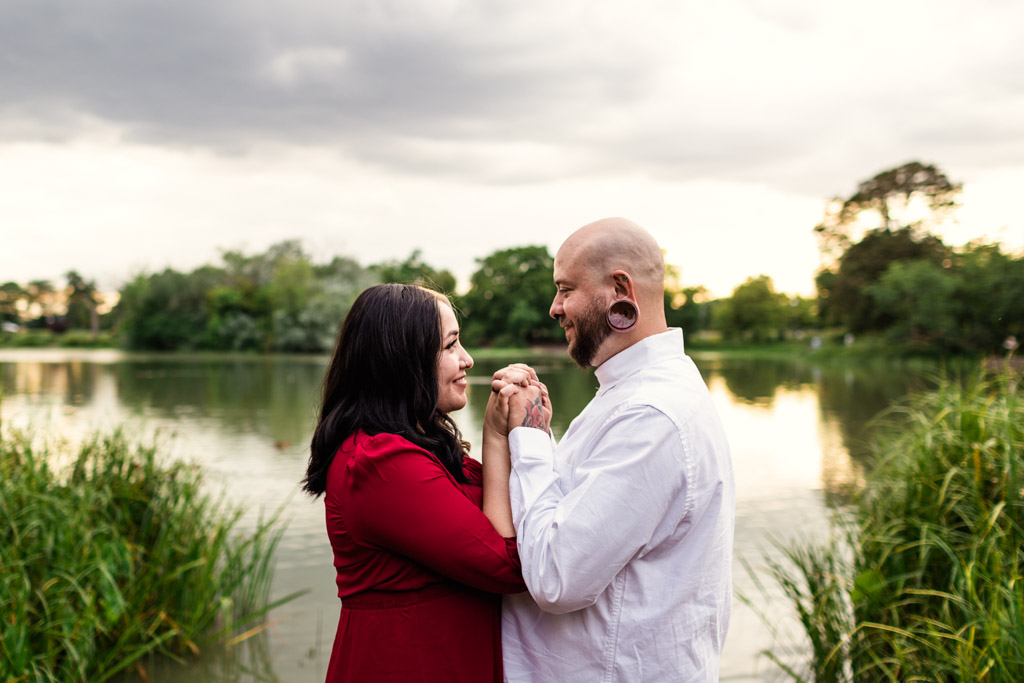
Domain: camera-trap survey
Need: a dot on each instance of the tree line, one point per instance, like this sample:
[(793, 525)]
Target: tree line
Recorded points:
[(886, 275)]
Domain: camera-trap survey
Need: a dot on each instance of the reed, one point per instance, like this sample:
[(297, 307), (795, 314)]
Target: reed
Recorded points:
[(118, 555), (924, 579)]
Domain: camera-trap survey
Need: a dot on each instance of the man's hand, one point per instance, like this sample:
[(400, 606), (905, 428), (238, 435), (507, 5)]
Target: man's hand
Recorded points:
[(530, 407)]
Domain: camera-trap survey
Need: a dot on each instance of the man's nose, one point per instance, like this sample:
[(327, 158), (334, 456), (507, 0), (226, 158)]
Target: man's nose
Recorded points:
[(556, 309)]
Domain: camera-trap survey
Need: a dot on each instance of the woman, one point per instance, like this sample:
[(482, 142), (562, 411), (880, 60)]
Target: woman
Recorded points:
[(419, 565)]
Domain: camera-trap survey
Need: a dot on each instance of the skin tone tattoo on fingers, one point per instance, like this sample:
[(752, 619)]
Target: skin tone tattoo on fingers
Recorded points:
[(535, 416)]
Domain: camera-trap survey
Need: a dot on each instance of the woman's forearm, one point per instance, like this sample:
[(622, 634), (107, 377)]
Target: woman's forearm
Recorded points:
[(497, 469)]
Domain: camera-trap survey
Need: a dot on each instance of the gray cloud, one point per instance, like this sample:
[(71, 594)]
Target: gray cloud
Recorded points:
[(778, 93)]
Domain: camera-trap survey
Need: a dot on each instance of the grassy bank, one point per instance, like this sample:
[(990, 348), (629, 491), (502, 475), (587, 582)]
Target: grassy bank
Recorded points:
[(925, 580), (117, 555), (73, 339)]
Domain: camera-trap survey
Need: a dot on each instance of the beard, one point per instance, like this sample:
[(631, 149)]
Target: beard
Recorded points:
[(591, 330)]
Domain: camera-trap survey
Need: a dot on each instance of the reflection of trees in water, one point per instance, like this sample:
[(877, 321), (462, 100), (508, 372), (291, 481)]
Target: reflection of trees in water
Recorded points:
[(74, 381), (853, 396), (850, 398), (277, 397), (757, 381)]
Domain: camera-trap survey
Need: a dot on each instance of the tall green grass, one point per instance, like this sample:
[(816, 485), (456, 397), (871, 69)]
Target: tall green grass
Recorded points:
[(924, 579), (116, 555)]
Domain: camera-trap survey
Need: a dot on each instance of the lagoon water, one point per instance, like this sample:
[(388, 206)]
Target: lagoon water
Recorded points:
[(798, 432)]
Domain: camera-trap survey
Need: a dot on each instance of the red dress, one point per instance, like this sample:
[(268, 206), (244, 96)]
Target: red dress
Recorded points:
[(419, 567)]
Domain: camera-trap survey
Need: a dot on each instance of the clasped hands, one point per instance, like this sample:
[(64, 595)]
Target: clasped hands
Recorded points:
[(518, 399)]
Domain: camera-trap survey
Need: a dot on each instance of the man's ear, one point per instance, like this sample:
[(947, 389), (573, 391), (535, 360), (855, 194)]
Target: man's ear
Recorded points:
[(623, 284)]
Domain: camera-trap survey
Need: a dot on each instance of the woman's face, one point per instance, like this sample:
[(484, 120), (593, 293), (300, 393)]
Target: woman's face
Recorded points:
[(452, 364)]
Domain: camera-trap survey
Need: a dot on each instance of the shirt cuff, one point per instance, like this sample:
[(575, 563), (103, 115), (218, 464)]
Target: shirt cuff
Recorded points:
[(533, 469)]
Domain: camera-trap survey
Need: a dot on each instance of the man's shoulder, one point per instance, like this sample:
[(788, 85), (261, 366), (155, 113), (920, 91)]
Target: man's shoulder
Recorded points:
[(673, 387)]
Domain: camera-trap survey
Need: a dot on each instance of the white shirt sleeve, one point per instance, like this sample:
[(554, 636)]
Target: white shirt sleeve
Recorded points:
[(575, 536)]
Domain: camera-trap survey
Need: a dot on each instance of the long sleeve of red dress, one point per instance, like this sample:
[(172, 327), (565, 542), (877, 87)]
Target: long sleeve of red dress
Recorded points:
[(399, 498)]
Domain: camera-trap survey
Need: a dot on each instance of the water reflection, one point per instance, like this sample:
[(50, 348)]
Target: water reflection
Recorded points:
[(798, 434)]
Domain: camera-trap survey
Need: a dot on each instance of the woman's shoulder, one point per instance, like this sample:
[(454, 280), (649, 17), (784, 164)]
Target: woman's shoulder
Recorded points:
[(384, 442), (385, 449)]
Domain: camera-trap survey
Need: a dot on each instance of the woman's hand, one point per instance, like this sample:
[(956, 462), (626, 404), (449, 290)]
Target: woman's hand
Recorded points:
[(516, 373), (496, 414)]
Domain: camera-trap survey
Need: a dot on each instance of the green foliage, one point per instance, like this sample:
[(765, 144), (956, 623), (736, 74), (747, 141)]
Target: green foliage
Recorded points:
[(28, 339), (275, 301), (864, 263), (991, 298), (687, 308), (82, 302), (913, 195), (10, 294), (414, 270), (919, 297), (118, 556), (755, 311), (902, 282), (925, 583), (509, 298), (169, 310)]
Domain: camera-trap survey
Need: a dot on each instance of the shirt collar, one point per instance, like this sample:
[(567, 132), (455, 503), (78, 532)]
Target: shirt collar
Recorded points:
[(641, 355)]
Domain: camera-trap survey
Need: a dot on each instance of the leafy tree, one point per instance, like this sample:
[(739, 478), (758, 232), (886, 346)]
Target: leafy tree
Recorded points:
[(687, 308), (278, 300), (991, 293), (825, 284), (40, 295), (292, 284), (316, 326), (754, 311), (864, 263), (920, 299), (168, 310), (10, 294), (82, 302), (414, 269), (914, 195), (802, 314), (897, 207), (509, 298), (231, 325)]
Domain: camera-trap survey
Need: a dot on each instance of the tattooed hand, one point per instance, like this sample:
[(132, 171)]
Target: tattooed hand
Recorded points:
[(530, 407)]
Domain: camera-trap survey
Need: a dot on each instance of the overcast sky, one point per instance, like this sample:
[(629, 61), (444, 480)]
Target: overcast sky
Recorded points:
[(138, 135)]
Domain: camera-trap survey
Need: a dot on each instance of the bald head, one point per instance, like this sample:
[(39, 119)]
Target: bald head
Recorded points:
[(600, 270), (612, 244)]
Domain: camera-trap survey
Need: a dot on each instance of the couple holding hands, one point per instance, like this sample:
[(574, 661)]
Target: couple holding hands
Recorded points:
[(603, 557)]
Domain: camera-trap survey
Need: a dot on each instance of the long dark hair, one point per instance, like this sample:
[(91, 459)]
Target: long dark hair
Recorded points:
[(383, 379)]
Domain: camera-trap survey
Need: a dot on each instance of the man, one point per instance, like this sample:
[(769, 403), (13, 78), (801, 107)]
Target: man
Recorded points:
[(625, 528)]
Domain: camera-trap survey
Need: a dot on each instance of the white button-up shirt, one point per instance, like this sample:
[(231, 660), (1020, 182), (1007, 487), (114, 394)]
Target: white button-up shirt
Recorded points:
[(625, 531)]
